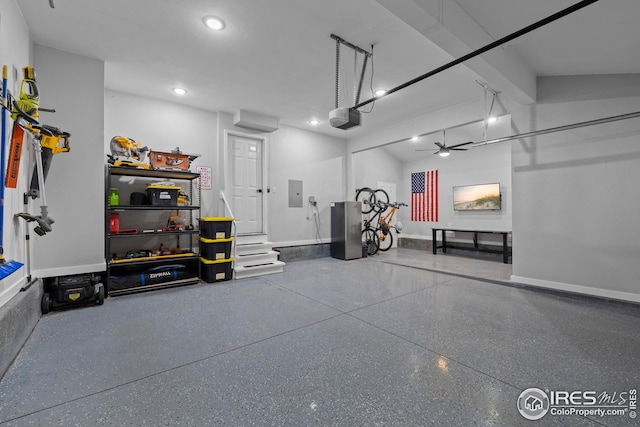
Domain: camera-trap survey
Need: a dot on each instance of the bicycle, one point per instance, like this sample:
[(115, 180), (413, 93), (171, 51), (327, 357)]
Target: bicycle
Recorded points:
[(385, 237), (378, 237), (368, 199)]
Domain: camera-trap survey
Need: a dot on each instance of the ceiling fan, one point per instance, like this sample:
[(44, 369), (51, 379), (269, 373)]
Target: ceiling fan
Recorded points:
[(444, 150)]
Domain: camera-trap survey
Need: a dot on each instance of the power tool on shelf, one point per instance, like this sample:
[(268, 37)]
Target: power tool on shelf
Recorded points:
[(128, 152)]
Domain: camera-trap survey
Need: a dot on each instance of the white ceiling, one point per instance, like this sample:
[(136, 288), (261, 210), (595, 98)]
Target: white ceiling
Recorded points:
[(276, 57), (602, 38), (408, 149)]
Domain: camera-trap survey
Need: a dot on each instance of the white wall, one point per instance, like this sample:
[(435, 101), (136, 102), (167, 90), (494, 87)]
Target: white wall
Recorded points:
[(575, 193), (422, 124), (481, 165), (15, 52), (319, 162), (74, 86), (569, 197), (378, 169), (294, 154), (373, 166), (163, 126)]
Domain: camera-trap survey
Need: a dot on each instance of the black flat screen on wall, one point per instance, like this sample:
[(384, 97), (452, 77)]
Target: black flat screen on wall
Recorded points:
[(479, 197)]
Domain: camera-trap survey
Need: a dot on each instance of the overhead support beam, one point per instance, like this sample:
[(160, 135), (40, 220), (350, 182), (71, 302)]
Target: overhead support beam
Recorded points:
[(448, 26), (560, 128), (499, 76), (458, 33)]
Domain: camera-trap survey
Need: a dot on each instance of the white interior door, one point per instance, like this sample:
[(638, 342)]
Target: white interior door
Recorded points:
[(246, 180)]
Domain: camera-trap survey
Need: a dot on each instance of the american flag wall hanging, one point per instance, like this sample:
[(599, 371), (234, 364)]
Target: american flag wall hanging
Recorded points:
[(424, 196)]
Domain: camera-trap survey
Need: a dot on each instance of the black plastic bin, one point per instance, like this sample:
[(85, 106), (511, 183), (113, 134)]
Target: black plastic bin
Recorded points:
[(218, 270), (215, 227), (215, 248)]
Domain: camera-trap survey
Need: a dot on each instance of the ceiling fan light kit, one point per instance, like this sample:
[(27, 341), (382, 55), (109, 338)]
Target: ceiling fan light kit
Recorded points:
[(443, 150)]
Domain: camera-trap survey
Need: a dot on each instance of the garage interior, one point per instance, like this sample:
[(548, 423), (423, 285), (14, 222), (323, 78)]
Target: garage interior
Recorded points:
[(408, 336)]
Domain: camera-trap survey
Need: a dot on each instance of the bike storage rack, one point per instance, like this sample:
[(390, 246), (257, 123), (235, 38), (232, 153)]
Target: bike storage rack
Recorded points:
[(377, 228)]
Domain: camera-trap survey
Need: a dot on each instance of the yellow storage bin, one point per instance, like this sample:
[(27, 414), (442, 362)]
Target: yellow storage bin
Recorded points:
[(215, 249), (219, 270), (215, 227)]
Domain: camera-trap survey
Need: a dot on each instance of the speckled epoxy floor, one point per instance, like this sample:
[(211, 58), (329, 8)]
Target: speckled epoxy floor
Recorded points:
[(405, 338)]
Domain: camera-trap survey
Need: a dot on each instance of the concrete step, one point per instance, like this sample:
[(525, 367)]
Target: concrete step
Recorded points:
[(256, 258), (253, 248), (259, 270)]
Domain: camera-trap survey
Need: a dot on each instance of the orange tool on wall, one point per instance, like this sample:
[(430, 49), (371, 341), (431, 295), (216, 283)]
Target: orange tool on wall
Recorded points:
[(26, 107), (15, 151)]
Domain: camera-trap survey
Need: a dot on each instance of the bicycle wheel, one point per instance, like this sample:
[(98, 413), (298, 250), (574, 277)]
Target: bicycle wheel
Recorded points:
[(367, 198), (385, 240), (370, 238), (382, 197)]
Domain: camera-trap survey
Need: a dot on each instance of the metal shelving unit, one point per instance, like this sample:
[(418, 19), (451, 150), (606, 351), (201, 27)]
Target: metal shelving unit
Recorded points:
[(137, 273)]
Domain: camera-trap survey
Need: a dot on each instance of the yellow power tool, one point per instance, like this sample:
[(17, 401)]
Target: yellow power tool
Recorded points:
[(25, 114), (29, 102), (128, 152), (52, 141)]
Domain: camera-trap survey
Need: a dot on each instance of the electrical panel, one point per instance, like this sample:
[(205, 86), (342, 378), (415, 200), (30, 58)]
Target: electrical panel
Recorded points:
[(295, 194)]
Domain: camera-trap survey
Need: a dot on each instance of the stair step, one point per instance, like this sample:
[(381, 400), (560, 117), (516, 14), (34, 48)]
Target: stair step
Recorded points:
[(256, 258), (253, 248), (243, 239), (259, 270)]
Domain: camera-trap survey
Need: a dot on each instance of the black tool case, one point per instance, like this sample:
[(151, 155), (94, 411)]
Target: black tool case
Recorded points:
[(67, 291)]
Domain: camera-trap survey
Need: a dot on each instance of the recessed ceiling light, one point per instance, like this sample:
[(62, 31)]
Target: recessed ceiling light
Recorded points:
[(415, 138), (213, 22), (179, 91), (380, 92), (314, 122), (492, 119)]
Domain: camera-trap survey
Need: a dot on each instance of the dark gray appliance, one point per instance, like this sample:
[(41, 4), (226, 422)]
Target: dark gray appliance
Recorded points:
[(346, 230)]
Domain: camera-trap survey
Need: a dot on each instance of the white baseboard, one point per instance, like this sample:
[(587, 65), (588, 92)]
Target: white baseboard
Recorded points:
[(300, 243), (578, 289), (414, 236)]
